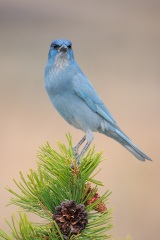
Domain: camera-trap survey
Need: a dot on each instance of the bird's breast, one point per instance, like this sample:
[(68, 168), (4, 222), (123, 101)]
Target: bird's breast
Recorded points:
[(58, 83)]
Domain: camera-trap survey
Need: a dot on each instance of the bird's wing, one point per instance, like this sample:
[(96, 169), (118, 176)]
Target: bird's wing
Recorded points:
[(84, 89)]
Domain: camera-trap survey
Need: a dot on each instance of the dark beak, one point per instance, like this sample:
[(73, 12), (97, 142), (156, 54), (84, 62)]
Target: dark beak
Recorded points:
[(63, 48)]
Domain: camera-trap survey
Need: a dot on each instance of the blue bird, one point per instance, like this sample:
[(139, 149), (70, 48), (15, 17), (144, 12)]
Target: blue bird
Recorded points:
[(75, 99)]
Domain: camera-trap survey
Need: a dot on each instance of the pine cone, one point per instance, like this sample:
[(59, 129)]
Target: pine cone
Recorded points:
[(100, 207), (70, 217)]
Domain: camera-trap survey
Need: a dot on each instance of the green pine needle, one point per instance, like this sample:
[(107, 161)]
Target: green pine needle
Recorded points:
[(58, 179)]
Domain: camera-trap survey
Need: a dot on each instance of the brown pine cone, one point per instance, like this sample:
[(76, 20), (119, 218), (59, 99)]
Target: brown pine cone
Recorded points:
[(70, 217)]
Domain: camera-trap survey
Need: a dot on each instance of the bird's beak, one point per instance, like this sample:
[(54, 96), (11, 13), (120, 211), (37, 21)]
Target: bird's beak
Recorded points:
[(63, 48)]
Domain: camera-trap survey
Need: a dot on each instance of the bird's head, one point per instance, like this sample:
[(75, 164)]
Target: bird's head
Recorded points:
[(60, 53), (61, 47)]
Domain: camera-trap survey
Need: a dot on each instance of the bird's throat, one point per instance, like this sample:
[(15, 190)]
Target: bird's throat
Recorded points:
[(61, 62)]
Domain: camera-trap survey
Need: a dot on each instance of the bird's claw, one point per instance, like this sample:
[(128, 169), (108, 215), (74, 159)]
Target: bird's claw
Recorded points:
[(77, 156), (75, 150)]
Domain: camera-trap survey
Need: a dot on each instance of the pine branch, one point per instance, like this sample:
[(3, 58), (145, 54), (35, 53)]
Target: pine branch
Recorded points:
[(63, 193)]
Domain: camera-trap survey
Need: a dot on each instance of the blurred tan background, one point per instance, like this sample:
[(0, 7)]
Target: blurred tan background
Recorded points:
[(117, 44)]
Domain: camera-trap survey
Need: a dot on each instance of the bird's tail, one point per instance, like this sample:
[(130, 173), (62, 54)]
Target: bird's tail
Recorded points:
[(120, 137)]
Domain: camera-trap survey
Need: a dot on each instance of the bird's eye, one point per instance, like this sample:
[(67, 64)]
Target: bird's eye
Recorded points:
[(55, 46), (70, 46)]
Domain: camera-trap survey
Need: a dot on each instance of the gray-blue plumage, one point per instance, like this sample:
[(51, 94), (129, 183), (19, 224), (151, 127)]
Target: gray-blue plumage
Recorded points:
[(75, 99)]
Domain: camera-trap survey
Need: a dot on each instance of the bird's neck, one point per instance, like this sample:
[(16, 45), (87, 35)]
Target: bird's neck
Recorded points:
[(59, 63)]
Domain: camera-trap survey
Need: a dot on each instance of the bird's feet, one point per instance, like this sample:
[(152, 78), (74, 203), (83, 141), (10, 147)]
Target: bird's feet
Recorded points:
[(75, 151), (77, 157)]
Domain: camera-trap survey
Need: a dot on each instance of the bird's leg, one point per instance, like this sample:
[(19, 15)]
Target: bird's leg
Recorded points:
[(75, 149), (89, 138), (83, 151)]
